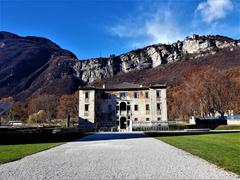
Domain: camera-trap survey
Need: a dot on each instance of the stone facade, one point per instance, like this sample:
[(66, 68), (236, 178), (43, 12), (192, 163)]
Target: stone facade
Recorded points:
[(124, 107)]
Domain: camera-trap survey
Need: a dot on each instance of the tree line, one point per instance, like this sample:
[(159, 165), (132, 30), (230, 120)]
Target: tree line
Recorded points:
[(205, 92), (43, 108), (202, 92)]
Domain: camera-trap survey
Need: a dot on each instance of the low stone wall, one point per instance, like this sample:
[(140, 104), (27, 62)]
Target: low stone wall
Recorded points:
[(233, 122)]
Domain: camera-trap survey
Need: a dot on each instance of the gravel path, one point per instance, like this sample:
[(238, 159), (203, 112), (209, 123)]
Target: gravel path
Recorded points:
[(113, 156)]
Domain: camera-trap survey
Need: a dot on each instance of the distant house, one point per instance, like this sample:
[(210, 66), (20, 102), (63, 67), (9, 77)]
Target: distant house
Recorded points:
[(123, 106)]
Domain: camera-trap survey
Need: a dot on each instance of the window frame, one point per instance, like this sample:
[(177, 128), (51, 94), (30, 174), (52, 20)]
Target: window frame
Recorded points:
[(86, 95), (135, 95), (120, 94), (135, 107), (86, 107), (147, 95), (147, 107)]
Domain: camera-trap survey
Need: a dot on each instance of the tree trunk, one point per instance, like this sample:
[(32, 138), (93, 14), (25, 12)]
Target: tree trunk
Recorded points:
[(68, 121)]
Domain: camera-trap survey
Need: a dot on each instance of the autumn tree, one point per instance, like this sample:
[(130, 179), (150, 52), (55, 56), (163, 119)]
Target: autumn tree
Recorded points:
[(203, 92), (38, 117), (44, 102), (19, 111), (220, 92), (68, 105), (16, 111)]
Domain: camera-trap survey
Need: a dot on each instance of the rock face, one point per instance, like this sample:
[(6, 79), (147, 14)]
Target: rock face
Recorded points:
[(31, 65), (172, 74), (197, 44), (153, 56)]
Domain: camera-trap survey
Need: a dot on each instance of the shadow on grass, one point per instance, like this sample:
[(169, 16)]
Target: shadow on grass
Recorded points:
[(113, 136), (49, 136)]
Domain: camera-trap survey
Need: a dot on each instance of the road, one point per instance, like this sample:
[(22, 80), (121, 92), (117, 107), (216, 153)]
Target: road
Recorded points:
[(113, 156)]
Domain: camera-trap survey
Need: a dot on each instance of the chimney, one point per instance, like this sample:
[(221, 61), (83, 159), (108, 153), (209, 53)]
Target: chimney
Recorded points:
[(104, 86)]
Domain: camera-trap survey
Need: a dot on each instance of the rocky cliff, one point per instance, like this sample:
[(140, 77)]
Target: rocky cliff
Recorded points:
[(153, 56), (32, 65)]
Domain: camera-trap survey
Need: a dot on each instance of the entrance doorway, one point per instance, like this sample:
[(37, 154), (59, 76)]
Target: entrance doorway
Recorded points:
[(123, 106), (123, 123)]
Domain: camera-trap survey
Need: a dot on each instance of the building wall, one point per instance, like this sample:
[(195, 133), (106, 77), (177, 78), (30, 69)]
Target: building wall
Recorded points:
[(102, 109), (105, 112), (90, 101), (164, 105)]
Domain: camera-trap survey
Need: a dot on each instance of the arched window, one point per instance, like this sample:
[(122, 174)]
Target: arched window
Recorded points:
[(123, 106)]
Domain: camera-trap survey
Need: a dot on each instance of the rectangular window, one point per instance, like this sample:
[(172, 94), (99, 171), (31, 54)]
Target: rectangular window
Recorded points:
[(135, 119), (135, 94), (147, 107), (86, 107), (159, 119), (86, 95), (128, 107), (136, 107), (146, 95), (122, 94), (158, 93), (158, 106), (147, 119)]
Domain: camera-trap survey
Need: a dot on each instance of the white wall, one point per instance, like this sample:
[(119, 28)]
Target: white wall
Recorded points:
[(164, 105), (90, 115), (101, 105)]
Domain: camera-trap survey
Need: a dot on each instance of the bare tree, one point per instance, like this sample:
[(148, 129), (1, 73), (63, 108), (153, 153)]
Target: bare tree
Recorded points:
[(204, 92), (43, 102), (68, 105)]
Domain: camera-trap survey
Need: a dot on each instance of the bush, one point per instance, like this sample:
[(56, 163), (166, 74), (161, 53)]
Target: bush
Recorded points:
[(38, 117)]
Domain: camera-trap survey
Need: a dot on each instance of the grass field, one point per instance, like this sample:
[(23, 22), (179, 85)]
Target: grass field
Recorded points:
[(228, 127), (17, 151), (17, 146), (220, 149)]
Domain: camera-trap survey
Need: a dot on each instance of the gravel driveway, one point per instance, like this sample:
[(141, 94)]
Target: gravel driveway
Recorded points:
[(113, 156)]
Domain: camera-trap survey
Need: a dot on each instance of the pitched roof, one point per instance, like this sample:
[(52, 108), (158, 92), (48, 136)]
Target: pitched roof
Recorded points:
[(123, 86)]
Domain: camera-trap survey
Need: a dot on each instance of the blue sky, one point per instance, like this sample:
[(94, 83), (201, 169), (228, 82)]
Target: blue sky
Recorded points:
[(100, 28)]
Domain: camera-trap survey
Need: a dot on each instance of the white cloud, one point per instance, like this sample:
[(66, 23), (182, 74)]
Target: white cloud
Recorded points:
[(212, 10), (158, 27), (163, 28)]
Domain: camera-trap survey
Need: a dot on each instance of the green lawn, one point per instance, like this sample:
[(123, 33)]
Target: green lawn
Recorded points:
[(220, 149), (228, 127), (14, 152), (18, 146)]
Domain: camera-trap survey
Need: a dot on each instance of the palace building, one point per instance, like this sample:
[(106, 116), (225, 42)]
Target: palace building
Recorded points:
[(124, 106)]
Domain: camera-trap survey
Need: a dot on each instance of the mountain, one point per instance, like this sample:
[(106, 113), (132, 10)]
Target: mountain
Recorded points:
[(172, 74), (32, 65)]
